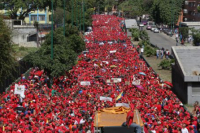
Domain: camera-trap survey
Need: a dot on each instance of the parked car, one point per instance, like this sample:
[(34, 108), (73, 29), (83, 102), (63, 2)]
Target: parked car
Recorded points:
[(153, 27), (148, 27), (156, 30), (141, 25)]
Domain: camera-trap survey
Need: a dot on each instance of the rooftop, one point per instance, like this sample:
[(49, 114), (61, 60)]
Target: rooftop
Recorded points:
[(189, 61), (130, 23)]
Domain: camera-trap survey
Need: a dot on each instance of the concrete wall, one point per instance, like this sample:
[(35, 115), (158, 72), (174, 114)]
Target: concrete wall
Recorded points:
[(19, 36), (179, 86), (193, 92)]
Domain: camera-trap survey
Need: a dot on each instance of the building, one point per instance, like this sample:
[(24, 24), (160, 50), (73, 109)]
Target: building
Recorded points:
[(39, 15), (190, 12), (129, 24), (186, 73)]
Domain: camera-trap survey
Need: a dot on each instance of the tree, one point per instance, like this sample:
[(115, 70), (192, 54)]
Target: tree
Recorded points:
[(14, 6), (184, 31), (135, 34), (166, 11), (196, 37), (66, 49), (6, 61)]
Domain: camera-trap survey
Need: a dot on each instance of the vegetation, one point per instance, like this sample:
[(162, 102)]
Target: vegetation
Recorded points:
[(134, 8), (184, 31), (7, 62), (66, 49), (196, 37), (20, 52), (13, 6), (166, 11), (149, 51), (166, 64), (135, 34)]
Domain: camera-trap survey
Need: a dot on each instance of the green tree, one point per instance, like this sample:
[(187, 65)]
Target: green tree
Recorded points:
[(196, 36), (135, 34), (66, 49), (15, 6), (166, 11), (184, 31), (6, 61)]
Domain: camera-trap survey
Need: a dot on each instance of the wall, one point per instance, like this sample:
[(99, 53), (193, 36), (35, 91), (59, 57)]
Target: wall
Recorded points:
[(20, 37), (179, 86), (193, 92)]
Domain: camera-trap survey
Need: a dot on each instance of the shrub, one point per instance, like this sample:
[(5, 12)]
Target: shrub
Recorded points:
[(149, 51), (166, 64)]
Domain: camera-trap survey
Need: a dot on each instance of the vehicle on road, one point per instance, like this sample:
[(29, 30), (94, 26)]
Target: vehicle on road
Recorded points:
[(141, 25), (156, 30), (153, 27), (148, 27)]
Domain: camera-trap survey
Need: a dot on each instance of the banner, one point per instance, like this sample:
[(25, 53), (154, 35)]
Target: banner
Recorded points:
[(113, 51), (85, 83), (105, 62), (19, 89), (101, 43), (136, 82), (105, 98), (108, 81), (116, 80), (122, 104)]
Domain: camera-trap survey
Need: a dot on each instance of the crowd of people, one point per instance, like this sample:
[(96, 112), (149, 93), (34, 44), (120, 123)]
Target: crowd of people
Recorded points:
[(110, 66)]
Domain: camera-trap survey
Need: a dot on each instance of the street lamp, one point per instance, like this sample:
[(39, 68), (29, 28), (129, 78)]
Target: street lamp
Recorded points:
[(64, 19), (52, 29)]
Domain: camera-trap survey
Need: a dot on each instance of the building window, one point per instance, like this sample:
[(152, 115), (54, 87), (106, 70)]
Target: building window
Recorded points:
[(41, 17), (33, 17), (49, 17), (191, 4)]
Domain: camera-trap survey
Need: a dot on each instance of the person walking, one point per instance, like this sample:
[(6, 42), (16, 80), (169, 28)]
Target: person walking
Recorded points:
[(157, 53), (167, 54), (161, 53)]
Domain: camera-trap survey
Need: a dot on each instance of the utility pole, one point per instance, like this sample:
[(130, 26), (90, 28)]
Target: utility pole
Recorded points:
[(80, 22), (64, 19), (52, 29), (76, 12), (83, 16), (173, 13), (72, 12)]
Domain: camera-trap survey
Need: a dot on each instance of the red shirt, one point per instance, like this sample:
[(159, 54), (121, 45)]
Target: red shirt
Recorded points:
[(129, 117)]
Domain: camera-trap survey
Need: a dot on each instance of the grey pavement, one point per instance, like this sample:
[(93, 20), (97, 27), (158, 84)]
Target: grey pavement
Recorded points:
[(161, 40)]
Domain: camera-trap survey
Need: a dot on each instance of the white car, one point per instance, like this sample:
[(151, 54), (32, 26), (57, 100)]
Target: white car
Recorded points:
[(152, 28), (141, 25), (156, 30)]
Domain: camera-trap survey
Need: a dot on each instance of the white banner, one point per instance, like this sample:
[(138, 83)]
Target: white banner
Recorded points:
[(19, 89), (116, 80), (101, 43), (108, 81), (105, 98), (136, 82), (113, 51), (122, 104), (105, 62), (85, 83)]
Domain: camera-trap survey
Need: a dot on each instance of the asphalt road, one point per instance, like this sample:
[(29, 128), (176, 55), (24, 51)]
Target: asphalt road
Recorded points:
[(161, 40)]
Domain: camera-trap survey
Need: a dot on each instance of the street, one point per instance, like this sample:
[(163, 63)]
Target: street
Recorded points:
[(161, 40)]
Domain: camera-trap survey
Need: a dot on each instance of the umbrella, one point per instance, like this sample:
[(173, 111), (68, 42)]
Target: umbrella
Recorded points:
[(142, 73), (168, 83), (113, 66)]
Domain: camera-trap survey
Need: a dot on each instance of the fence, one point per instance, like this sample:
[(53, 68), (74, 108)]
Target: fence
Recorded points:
[(22, 67)]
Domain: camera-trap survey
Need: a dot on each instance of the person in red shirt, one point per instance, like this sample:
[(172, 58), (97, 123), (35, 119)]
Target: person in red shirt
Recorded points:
[(129, 122)]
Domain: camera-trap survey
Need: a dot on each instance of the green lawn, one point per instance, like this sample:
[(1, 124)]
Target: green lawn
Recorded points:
[(20, 52)]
